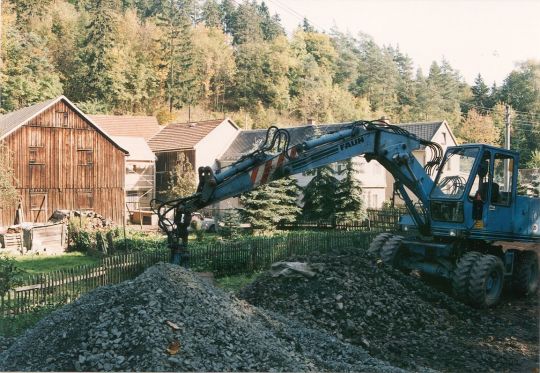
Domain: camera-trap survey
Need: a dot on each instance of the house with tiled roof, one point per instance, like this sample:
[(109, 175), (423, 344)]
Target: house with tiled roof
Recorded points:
[(134, 132), (377, 183), (62, 160), (203, 143), (438, 132)]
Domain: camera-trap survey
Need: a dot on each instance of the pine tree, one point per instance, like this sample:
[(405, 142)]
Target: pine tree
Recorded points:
[(320, 195), (97, 74), (480, 93), (211, 14), (269, 204), (230, 227), (178, 59), (349, 202), (270, 25)]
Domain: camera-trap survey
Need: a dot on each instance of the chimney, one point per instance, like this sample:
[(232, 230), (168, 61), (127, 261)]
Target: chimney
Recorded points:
[(311, 121)]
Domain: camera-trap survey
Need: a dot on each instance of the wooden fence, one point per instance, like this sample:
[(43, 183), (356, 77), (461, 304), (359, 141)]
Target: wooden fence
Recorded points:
[(221, 258), (376, 220)]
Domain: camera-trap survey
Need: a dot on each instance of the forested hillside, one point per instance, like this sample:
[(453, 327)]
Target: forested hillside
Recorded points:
[(206, 58)]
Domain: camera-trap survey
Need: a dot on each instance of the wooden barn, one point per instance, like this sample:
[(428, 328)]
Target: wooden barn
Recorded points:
[(62, 160)]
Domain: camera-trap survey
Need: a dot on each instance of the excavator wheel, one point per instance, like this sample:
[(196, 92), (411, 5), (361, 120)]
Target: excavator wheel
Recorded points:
[(461, 277), (391, 251), (486, 281), (377, 243), (525, 278)]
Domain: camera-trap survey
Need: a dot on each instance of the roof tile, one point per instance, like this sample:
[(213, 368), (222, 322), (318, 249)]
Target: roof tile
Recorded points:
[(127, 125), (182, 135)]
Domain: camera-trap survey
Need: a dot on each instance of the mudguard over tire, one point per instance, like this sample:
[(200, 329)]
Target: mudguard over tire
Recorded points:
[(390, 251), (461, 277), (377, 243), (525, 277), (486, 281)]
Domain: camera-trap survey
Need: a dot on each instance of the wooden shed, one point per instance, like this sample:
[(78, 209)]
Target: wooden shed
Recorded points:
[(62, 160)]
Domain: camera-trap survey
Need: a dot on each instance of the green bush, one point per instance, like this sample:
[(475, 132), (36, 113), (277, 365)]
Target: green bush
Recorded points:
[(139, 241), (9, 274)]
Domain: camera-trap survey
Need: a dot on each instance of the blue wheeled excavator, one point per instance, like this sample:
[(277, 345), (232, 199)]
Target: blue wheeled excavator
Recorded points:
[(467, 225)]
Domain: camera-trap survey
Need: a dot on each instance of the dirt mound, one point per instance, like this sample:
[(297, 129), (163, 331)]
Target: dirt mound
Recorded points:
[(170, 320), (398, 317)]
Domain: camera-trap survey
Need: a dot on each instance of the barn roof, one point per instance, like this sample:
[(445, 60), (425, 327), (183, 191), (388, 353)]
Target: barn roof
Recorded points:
[(249, 140), (137, 147), (128, 125), (180, 136), (12, 121)]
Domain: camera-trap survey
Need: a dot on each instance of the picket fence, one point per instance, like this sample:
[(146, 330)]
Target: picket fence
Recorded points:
[(221, 258), (376, 220)]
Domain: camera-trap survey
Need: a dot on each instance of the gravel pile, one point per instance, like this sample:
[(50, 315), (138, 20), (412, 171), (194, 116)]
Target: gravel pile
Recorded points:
[(394, 316), (168, 319)]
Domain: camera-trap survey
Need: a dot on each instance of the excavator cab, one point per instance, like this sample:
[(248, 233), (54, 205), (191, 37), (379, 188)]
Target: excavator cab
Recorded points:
[(475, 189)]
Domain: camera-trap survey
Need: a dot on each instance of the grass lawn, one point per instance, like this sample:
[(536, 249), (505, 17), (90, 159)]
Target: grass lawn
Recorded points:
[(235, 283), (37, 264)]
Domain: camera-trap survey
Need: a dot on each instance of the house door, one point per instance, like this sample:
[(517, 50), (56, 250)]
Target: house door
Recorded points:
[(501, 194)]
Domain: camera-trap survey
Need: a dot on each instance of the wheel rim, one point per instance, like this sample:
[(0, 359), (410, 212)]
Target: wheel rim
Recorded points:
[(493, 284), (533, 274)]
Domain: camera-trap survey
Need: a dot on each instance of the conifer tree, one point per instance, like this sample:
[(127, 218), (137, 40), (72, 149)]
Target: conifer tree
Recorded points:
[(271, 203), (178, 59), (97, 57), (319, 195), (480, 93), (349, 202)]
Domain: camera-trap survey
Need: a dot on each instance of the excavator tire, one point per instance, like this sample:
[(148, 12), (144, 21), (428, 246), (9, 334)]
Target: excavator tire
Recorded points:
[(377, 243), (461, 277), (391, 250), (486, 281), (525, 278)]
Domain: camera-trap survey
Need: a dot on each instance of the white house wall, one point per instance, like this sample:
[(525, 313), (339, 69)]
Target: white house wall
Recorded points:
[(444, 138), (213, 145)]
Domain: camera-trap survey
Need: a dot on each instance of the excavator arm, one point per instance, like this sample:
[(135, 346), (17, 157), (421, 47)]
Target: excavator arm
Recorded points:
[(390, 145)]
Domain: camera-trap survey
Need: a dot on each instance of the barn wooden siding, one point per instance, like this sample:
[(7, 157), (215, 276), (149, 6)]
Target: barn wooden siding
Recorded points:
[(63, 162)]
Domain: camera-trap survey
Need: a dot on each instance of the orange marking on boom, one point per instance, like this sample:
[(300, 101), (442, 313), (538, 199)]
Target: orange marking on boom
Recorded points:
[(267, 169), (254, 174)]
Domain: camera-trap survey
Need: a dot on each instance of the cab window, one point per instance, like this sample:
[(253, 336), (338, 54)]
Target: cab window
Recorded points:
[(503, 179)]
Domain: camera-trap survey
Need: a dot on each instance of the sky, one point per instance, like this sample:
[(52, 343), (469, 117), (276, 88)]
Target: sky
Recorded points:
[(486, 36)]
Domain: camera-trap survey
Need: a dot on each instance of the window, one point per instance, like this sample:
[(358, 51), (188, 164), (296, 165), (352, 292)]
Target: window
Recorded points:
[(443, 142), (481, 179), (503, 178), (451, 183), (35, 138), (85, 157), (61, 119)]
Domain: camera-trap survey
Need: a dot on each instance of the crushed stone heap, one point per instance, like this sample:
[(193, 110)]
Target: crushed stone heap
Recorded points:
[(394, 316), (130, 327)]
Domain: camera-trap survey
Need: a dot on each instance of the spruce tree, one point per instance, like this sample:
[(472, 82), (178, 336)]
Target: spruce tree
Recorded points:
[(177, 53), (349, 202), (97, 52), (480, 93), (271, 203), (319, 195)]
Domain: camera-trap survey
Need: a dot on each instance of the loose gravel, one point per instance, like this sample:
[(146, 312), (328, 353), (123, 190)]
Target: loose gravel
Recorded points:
[(168, 319), (400, 318)]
